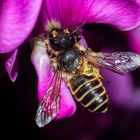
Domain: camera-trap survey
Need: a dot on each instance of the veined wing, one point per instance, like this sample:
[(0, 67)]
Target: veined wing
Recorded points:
[(120, 62), (49, 105)]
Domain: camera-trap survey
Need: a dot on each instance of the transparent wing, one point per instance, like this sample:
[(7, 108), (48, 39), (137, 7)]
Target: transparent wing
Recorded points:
[(49, 105), (120, 62)]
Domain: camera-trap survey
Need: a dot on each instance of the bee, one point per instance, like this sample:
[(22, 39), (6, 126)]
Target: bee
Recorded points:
[(79, 66)]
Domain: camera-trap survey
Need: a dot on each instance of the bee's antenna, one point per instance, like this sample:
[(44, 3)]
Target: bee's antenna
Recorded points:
[(78, 28)]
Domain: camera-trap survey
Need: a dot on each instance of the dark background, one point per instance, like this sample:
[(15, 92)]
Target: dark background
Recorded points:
[(19, 101)]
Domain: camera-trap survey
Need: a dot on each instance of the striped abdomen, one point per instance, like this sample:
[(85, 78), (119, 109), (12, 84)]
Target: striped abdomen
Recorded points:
[(90, 92)]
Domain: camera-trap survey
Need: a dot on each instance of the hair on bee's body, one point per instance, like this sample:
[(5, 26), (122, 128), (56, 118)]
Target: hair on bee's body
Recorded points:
[(79, 67), (89, 90)]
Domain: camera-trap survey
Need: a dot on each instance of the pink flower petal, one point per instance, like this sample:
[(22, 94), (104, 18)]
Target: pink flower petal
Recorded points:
[(134, 39), (11, 64), (120, 13), (137, 1), (17, 19), (41, 63), (123, 14), (120, 89)]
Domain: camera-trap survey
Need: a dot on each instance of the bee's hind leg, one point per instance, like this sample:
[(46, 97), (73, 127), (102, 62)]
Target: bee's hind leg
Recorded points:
[(104, 79)]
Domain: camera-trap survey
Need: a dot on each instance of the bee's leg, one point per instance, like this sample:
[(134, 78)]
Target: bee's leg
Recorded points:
[(104, 78), (47, 46), (88, 50)]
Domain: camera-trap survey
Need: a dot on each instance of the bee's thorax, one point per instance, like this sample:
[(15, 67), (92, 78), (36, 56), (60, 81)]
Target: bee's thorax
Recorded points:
[(70, 60)]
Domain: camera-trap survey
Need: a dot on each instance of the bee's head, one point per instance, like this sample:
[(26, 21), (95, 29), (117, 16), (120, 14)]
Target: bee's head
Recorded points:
[(63, 39)]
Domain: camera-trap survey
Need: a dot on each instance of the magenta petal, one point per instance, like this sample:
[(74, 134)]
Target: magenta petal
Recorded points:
[(41, 63), (120, 13), (11, 64), (123, 14), (17, 19), (138, 1), (120, 89), (134, 39)]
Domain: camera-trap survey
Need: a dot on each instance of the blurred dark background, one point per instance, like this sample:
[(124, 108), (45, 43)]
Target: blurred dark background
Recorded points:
[(19, 101)]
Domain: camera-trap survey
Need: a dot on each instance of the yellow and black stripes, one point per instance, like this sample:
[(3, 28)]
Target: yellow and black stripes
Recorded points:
[(90, 92)]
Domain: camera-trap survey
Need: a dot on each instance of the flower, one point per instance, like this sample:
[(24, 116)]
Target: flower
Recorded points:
[(133, 37), (122, 91), (18, 21)]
